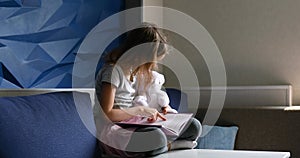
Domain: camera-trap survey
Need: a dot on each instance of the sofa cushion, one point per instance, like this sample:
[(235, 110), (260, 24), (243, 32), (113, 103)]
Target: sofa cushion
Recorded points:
[(47, 125), (217, 137), (178, 99)]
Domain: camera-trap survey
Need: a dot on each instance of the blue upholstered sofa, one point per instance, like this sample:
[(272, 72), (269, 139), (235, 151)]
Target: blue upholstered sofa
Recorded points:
[(47, 125), (55, 125)]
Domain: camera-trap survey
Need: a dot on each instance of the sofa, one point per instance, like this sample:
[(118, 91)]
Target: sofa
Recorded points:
[(60, 124), (46, 125)]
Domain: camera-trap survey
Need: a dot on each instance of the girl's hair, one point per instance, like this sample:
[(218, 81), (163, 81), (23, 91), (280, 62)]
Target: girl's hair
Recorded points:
[(140, 62)]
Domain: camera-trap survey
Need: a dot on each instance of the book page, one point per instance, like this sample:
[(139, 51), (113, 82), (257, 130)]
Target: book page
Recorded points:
[(174, 123)]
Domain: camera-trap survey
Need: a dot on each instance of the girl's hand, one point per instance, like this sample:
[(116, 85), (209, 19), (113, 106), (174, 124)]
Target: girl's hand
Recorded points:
[(156, 116), (168, 109), (151, 113)]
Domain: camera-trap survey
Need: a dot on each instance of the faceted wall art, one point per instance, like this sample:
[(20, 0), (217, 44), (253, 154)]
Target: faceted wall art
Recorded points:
[(39, 39)]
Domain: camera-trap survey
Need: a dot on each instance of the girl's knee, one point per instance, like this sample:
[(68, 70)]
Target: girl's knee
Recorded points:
[(192, 131), (196, 127)]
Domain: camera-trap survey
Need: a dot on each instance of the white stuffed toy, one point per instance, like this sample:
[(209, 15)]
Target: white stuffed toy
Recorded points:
[(154, 97)]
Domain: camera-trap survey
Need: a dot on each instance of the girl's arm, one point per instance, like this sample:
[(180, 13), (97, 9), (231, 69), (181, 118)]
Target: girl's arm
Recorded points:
[(107, 101)]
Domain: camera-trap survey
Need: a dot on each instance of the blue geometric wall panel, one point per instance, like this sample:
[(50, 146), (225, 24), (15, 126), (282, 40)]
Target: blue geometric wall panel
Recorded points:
[(39, 39)]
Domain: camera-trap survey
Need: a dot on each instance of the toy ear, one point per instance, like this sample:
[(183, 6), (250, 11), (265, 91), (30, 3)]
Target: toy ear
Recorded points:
[(160, 78)]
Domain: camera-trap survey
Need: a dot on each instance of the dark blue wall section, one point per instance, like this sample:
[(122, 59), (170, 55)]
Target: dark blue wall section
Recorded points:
[(39, 39)]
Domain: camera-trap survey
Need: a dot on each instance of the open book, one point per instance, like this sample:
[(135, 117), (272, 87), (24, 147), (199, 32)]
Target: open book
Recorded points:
[(173, 126)]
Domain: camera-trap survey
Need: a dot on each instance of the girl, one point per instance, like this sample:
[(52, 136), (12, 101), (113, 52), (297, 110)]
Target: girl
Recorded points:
[(115, 88)]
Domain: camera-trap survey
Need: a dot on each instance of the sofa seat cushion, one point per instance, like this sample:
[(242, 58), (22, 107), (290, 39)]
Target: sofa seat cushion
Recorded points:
[(47, 125)]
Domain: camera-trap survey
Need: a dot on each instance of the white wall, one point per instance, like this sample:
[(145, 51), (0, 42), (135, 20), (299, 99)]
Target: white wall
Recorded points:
[(259, 40), (149, 15)]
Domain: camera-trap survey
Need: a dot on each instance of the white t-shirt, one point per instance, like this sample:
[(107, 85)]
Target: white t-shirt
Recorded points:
[(107, 132), (114, 75)]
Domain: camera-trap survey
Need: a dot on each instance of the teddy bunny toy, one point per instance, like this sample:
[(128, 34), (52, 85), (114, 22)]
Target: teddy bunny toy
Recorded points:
[(154, 97)]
